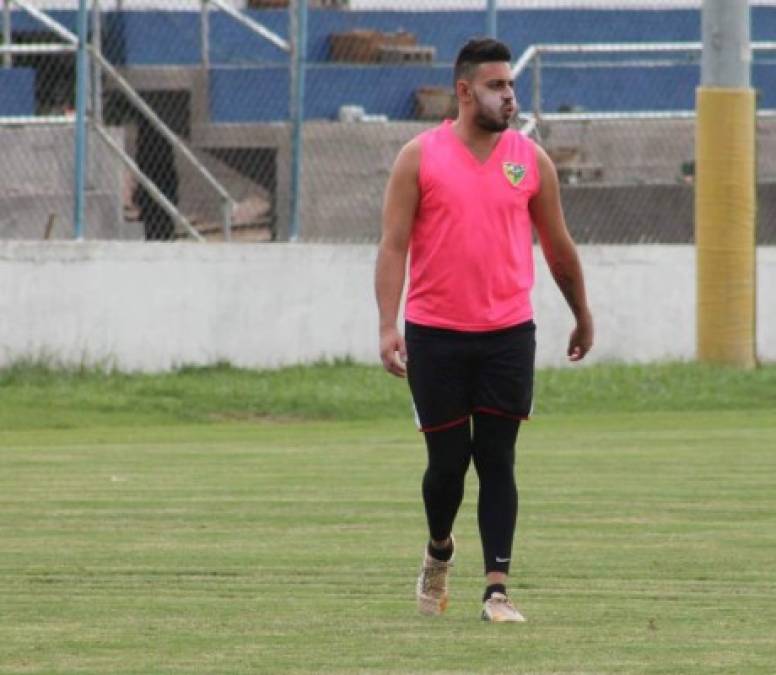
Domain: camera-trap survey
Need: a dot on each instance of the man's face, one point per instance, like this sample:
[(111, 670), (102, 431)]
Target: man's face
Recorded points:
[(494, 96)]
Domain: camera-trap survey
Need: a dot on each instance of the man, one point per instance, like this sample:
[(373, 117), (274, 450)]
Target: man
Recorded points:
[(462, 199)]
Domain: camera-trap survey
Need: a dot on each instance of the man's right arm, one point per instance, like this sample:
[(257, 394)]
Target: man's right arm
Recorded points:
[(399, 206)]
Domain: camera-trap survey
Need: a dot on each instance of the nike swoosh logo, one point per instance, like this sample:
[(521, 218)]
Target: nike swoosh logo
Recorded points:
[(502, 559)]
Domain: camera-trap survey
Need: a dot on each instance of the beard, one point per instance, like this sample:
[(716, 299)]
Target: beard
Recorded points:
[(488, 123), (489, 116)]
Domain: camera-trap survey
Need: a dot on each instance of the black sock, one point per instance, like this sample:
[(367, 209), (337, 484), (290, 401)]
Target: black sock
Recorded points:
[(442, 554), (494, 588)]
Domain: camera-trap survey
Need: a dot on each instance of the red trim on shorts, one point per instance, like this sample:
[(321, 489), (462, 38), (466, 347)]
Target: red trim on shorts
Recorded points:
[(501, 413), (446, 425)]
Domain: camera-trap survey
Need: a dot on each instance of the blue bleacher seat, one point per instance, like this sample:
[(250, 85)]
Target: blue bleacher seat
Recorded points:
[(249, 76), (17, 92)]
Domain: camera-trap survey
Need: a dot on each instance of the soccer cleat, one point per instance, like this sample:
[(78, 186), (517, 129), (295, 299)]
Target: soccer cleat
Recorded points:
[(498, 608), (431, 590)]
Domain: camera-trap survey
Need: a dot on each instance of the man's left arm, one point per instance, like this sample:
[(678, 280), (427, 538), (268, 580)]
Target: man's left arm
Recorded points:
[(561, 254)]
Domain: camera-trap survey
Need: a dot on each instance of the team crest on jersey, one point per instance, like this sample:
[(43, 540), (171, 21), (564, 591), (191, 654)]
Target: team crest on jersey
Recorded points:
[(514, 172)]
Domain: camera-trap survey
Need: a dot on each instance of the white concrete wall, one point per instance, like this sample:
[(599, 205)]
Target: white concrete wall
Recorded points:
[(155, 306)]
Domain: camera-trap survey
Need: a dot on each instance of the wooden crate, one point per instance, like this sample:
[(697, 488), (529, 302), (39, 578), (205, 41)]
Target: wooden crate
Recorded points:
[(401, 54), (266, 4), (435, 103), (279, 4), (363, 46)]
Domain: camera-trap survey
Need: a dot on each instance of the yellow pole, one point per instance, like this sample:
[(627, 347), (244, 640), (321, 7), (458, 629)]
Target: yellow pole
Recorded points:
[(725, 209)]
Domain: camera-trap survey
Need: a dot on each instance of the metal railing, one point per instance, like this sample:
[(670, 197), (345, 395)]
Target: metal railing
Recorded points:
[(254, 26), (100, 67), (25, 121), (70, 46), (532, 56), (529, 122), (227, 203), (9, 50), (168, 207), (295, 93), (43, 18)]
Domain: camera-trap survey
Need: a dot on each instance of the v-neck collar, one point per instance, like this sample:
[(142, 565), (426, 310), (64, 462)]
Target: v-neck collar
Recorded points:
[(465, 150)]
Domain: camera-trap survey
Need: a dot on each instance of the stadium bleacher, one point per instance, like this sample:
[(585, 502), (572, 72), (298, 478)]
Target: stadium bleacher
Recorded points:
[(258, 71), (17, 91)]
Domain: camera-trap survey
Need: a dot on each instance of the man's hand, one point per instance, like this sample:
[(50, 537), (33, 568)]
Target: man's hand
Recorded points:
[(581, 339), (393, 352)]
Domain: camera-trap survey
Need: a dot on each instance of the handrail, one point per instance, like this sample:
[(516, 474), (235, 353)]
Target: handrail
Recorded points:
[(228, 204), (529, 122), (50, 120), (618, 48), (37, 49), (148, 184), (602, 48), (159, 125), (53, 25), (525, 58), (532, 55), (251, 24)]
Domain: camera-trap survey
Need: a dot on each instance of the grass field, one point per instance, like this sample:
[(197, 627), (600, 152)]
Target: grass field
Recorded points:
[(166, 524)]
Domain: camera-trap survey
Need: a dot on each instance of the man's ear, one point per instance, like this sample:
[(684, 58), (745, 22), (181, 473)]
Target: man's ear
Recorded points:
[(463, 90)]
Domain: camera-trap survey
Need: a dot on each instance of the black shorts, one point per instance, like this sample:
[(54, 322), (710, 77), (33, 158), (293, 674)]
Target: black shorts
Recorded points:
[(453, 374)]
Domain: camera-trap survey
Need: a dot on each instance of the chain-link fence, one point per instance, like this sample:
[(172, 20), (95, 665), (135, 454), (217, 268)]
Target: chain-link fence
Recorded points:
[(191, 104), (618, 121), (177, 124), (36, 94), (204, 70)]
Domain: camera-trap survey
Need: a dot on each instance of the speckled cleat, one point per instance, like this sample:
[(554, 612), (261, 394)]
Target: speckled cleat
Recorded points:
[(498, 608), (431, 590)]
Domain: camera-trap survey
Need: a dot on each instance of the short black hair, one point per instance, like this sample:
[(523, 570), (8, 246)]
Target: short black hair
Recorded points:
[(477, 51)]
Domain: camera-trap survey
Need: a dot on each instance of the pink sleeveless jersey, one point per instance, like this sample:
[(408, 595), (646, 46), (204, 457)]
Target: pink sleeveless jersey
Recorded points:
[(471, 249)]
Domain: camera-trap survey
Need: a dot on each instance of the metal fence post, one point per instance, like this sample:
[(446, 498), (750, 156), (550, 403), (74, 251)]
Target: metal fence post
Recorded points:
[(96, 70), (536, 88), (298, 33), (205, 35), (7, 34), (726, 189), (226, 217), (492, 19), (727, 57), (82, 78)]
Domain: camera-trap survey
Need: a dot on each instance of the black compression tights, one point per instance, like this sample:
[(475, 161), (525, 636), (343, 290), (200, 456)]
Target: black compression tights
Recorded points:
[(490, 441)]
